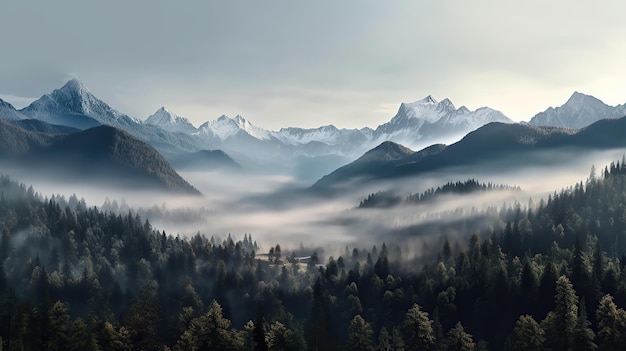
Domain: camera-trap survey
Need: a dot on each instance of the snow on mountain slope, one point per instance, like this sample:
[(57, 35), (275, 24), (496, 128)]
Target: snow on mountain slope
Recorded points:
[(8, 112), (473, 119), (426, 109), (329, 134), (415, 124), (170, 121), (422, 119), (74, 99), (579, 111), (430, 120), (226, 127)]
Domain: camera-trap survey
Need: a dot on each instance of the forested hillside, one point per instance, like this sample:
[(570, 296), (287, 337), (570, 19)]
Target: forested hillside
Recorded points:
[(385, 199), (550, 276)]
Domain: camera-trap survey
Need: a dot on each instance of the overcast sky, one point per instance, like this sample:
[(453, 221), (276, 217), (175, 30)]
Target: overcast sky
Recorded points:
[(309, 63)]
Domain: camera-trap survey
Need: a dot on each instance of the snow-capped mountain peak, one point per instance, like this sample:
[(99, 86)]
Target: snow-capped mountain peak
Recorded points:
[(425, 110), (429, 100), (429, 119), (225, 127), (171, 121), (75, 96), (74, 86), (447, 104), (578, 99), (579, 111), (74, 99)]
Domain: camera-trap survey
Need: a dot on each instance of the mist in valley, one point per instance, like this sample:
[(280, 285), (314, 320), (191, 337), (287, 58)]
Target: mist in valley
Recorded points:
[(279, 208)]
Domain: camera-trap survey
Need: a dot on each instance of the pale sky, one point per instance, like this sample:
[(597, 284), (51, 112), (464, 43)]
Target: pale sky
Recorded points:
[(286, 63)]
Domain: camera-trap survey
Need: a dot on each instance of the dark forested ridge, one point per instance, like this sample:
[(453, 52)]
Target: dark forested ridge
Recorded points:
[(550, 276), (495, 143), (101, 154), (386, 199)]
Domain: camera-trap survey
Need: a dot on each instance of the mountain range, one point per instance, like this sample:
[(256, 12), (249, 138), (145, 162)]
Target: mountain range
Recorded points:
[(307, 153), (500, 144), (417, 123)]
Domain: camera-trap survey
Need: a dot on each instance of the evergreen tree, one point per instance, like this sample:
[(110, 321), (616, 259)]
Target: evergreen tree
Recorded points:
[(384, 340), (58, 329), (457, 339), (210, 331), (81, 337), (560, 324), (360, 335), (611, 325), (280, 338), (143, 318), (318, 335), (258, 334), (527, 335), (418, 330), (583, 334)]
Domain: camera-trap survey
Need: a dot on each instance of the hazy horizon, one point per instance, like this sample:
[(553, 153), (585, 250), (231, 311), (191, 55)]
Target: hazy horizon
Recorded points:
[(349, 64)]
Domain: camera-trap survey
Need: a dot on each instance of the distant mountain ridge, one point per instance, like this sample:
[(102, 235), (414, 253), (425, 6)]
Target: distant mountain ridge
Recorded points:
[(579, 111), (414, 125), (74, 105), (415, 122), (504, 145)]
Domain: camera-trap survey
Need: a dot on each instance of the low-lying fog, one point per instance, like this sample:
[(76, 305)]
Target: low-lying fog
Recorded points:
[(279, 209)]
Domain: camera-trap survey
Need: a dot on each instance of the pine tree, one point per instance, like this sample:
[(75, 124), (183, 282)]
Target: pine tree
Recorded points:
[(583, 334), (81, 337), (142, 320), (210, 331), (58, 328), (418, 329), (258, 334), (360, 335), (527, 335), (559, 325), (457, 339), (280, 338), (611, 325)]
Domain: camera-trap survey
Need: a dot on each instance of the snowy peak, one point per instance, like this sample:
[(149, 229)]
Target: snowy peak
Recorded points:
[(447, 104), (428, 100), (75, 86), (74, 99), (579, 100), (225, 127), (328, 134), (429, 119), (426, 109), (579, 111), (170, 121)]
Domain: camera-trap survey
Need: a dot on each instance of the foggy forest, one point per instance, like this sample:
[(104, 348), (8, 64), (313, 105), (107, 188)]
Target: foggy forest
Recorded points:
[(538, 276)]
